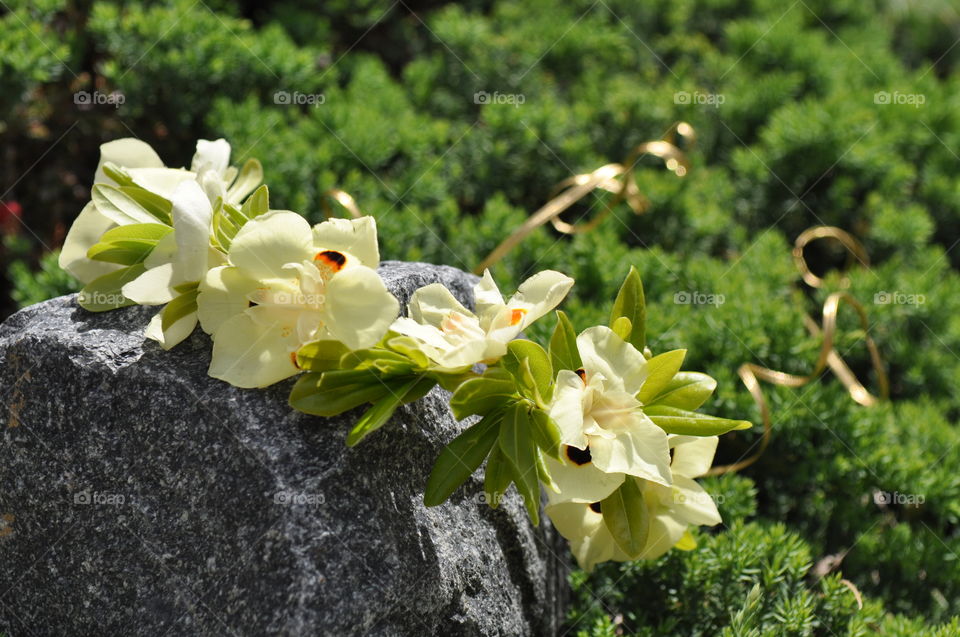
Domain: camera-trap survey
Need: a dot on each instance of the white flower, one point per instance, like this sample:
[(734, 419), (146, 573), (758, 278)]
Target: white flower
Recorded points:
[(453, 337), (287, 285), (138, 161), (180, 260), (601, 422), (670, 509)]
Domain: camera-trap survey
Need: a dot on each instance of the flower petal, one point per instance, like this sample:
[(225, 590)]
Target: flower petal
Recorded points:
[(355, 236), (540, 293), (640, 451), (223, 294), (127, 152), (486, 295), (249, 353), (153, 287), (264, 245), (211, 155), (192, 214), (567, 409), (692, 504), (602, 351), (574, 520), (175, 334), (580, 483), (665, 531), (692, 455), (359, 309), (84, 233), (432, 303), (160, 181)]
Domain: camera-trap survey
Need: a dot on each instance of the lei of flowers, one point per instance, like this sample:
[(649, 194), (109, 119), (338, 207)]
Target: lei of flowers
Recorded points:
[(607, 428)]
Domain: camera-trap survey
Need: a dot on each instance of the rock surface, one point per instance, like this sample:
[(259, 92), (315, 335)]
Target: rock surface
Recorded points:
[(140, 496)]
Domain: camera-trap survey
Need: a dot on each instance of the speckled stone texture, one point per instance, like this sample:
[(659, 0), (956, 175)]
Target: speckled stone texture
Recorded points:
[(138, 496)]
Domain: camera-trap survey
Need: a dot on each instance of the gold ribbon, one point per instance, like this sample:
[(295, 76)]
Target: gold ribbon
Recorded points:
[(618, 179), (614, 178), (751, 374), (344, 199)]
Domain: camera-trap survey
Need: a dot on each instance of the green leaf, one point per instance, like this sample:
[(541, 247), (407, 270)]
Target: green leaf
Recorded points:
[(103, 293), (660, 371), (539, 383), (691, 423), (627, 518), (497, 477), (383, 360), (257, 203), (516, 443), (622, 328), (631, 304), (119, 207), (153, 203), (545, 433), (308, 396), (178, 308), (459, 459), (481, 396), (121, 252), (378, 415), (544, 474), (117, 174), (686, 390), (147, 232), (251, 174), (321, 356), (564, 353), (408, 347)]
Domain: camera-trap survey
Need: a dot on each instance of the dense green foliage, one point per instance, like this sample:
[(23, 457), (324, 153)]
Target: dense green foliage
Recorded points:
[(802, 137)]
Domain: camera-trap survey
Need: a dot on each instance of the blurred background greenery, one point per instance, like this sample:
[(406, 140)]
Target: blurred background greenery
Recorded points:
[(841, 112)]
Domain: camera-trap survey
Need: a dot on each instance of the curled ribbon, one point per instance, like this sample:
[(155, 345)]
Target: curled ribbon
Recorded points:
[(344, 199), (616, 178), (751, 374)]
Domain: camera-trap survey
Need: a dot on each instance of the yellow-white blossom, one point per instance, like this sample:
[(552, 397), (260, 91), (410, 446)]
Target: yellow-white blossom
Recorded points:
[(285, 285), (453, 337)]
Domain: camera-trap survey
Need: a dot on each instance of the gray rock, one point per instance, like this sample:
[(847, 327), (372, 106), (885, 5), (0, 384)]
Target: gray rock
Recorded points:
[(140, 496)]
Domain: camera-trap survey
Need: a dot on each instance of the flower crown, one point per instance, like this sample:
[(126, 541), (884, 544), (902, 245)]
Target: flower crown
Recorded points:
[(607, 428)]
